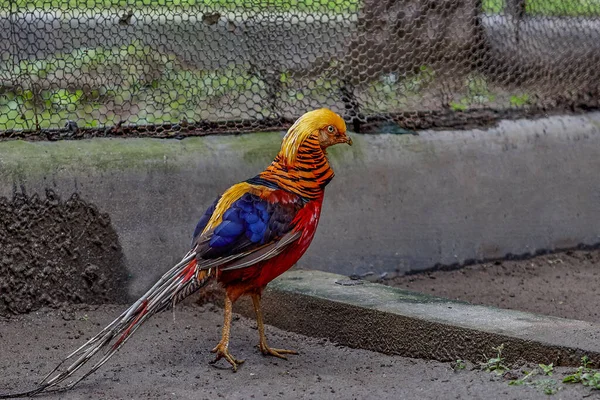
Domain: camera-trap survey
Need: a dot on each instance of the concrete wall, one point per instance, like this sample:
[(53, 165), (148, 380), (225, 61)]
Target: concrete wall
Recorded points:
[(397, 202)]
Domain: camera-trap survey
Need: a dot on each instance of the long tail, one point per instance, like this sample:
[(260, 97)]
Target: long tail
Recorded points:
[(181, 281)]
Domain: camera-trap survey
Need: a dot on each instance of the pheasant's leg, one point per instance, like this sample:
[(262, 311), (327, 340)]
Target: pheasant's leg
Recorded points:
[(262, 345), (222, 349)]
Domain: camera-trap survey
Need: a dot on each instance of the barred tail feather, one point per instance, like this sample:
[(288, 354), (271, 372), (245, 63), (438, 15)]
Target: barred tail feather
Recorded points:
[(178, 283)]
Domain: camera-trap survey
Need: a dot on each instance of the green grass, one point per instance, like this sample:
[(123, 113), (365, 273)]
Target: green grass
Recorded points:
[(556, 8), (493, 6), (161, 89), (533, 7), (563, 7), (339, 6)]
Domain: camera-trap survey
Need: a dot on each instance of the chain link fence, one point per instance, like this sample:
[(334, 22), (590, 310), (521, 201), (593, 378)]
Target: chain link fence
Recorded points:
[(172, 68)]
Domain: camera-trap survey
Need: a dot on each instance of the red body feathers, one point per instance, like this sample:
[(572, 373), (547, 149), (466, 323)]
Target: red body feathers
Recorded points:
[(256, 277)]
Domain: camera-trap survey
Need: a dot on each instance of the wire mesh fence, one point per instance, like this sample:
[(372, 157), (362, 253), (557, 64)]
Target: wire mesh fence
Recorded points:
[(168, 68)]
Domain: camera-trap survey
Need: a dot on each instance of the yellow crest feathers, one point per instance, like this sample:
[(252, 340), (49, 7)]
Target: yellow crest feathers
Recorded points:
[(305, 126)]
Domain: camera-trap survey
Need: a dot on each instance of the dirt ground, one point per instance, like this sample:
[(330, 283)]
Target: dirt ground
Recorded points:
[(563, 284), (55, 251), (168, 359)]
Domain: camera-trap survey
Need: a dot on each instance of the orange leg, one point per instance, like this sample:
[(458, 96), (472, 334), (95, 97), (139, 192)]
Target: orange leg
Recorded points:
[(222, 349), (262, 344)]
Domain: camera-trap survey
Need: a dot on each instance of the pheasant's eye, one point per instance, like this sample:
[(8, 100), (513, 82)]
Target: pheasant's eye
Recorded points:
[(330, 129)]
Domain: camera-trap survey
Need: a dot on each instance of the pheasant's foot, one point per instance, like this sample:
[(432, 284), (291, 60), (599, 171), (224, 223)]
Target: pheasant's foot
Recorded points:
[(223, 352), (268, 351)]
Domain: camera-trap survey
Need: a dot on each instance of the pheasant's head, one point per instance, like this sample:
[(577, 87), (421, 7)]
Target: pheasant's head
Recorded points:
[(323, 125)]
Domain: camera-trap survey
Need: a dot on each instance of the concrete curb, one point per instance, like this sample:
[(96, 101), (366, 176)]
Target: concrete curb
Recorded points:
[(394, 321)]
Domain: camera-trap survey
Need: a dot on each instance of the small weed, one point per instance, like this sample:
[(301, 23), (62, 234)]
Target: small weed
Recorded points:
[(585, 375), (392, 91), (547, 369), (459, 365), (478, 90), (478, 93), (414, 83), (495, 364), (459, 106), (519, 101), (284, 77), (523, 380), (84, 318), (547, 386)]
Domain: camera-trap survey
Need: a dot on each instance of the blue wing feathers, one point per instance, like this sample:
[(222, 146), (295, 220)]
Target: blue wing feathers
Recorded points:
[(230, 229), (219, 241), (251, 218), (204, 220), (250, 221), (232, 214), (246, 215)]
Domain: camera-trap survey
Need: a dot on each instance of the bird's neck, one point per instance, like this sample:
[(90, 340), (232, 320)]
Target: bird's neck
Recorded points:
[(307, 175)]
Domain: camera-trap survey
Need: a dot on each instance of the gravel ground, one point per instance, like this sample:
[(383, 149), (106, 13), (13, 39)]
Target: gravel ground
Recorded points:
[(169, 360), (564, 284)]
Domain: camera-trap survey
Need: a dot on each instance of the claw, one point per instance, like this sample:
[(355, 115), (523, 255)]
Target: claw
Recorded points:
[(268, 351), (223, 352), (262, 341)]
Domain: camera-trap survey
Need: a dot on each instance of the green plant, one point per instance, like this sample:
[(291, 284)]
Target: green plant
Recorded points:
[(547, 386), (391, 91), (477, 90), (495, 364), (585, 375), (547, 369), (459, 365), (524, 379), (414, 83), (459, 106), (519, 101), (478, 93), (64, 97), (284, 77)]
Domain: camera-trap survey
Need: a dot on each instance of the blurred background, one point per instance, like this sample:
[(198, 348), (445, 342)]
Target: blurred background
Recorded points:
[(200, 66)]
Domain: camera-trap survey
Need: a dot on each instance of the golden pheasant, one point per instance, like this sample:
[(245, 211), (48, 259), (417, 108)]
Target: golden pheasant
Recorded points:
[(252, 233)]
